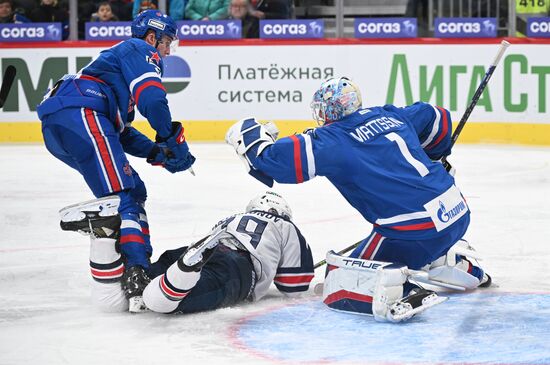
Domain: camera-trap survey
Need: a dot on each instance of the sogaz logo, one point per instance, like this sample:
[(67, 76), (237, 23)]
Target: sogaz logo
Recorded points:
[(445, 216), (465, 27), (177, 74), (385, 27)]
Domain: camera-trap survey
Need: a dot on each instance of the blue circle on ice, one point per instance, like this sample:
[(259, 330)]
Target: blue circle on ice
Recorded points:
[(490, 328)]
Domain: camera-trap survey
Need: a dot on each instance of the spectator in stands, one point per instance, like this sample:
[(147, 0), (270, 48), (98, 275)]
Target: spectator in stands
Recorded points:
[(419, 9), (240, 9), (207, 9), (24, 7), (104, 13), (272, 9), (49, 11), (7, 15), (122, 9), (176, 8)]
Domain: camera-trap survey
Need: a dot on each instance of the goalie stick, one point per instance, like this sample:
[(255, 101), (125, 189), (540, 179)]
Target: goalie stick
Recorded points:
[(503, 45), (7, 81)]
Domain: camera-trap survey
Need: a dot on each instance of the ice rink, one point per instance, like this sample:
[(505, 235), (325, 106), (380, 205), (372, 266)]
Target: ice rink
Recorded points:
[(46, 316)]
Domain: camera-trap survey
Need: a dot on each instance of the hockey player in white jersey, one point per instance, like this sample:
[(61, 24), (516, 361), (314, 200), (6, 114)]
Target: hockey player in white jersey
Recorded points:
[(237, 261)]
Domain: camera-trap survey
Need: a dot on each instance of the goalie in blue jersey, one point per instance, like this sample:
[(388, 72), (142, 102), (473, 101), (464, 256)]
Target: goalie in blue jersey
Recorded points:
[(385, 161), (86, 123)]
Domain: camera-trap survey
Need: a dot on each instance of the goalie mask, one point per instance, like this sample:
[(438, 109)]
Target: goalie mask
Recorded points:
[(270, 202), (335, 99)]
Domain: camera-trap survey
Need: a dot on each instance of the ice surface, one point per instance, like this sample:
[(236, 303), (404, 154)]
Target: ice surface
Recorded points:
[(46, 316)]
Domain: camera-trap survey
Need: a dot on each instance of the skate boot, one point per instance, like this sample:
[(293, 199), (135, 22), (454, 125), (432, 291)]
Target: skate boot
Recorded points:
[(196, 255), (417, 301), (98, 217), (134, 280), (486, 281)]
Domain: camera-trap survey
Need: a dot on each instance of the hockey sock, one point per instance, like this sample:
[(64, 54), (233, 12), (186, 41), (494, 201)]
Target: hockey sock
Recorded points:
[(166, 291)]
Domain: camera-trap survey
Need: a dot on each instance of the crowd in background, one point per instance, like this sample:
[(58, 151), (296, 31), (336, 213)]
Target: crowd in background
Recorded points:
[(248, 11)]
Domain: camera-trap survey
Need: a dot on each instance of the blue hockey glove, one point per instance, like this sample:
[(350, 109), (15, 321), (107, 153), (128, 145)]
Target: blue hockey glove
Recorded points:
[(250, 138), (172, 152)]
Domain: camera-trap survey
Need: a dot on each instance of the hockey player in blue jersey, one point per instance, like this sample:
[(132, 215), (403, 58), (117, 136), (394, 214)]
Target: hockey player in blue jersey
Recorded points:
[(384, 161), (237, 261), (86, 123)]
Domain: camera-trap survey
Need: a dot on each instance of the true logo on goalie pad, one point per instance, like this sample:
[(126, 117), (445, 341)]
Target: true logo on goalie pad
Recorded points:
[(361, 264)]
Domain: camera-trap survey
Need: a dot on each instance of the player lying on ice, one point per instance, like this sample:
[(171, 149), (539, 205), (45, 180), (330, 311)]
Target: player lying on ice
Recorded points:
[(385, 162), (237, 261)]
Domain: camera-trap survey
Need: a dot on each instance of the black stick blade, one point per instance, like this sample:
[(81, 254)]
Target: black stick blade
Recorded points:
[(7, 81)]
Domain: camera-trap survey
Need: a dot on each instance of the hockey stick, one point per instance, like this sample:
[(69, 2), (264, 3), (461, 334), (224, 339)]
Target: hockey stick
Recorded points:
[(7, 81), (503, 45), (345, 250)]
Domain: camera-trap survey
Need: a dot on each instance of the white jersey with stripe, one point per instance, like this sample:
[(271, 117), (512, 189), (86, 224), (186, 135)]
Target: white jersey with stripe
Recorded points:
[(278, 250)]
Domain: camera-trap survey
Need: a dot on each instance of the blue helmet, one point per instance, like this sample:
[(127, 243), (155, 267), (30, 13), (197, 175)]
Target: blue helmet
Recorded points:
[(156, 21), (335, 99)]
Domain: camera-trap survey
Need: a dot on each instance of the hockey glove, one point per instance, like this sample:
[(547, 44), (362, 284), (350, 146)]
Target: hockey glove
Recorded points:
[(447, 166), (249, 138), (173, 152)]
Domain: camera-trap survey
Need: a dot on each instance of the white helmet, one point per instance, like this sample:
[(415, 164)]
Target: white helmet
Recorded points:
[(270, 202)]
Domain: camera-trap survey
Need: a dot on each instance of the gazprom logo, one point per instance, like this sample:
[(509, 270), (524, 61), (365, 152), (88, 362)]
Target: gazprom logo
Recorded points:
[(538, 27), (216, 29), (386, 28), (108, 30), (445, 216), (294, 28), (177, 74), (465, 27)]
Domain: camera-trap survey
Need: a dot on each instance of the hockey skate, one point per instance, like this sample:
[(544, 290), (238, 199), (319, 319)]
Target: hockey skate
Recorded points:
[(417, 301), (98, 217), (133, 283), (198, 254)]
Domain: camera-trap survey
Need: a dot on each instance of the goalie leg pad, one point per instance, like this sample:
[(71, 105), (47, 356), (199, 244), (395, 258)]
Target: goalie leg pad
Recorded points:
[(373, 288), (459, 267)]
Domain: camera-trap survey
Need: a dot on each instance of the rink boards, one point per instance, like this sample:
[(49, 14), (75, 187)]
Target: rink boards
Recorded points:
[(275, 80), (472, 328)]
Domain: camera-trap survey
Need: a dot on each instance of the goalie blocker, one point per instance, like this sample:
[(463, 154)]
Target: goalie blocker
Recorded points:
[(373, 288)]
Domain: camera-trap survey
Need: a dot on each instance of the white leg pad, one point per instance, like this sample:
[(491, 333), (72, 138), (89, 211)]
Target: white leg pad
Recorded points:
[(388, 290), (455, 275)]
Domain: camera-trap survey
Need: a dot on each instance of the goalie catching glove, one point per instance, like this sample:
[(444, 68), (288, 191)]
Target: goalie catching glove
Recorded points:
[(172, 152), (249, 138)]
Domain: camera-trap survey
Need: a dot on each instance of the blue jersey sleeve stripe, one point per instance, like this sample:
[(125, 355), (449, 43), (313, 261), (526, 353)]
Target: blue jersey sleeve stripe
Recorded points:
[(435, 128), (144, 76), (297, 160), (310, 158), (444, 128)]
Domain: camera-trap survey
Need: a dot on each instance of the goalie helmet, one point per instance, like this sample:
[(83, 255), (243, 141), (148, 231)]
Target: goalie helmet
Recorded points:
[(154, 20), (335, 99), (270, 202)]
